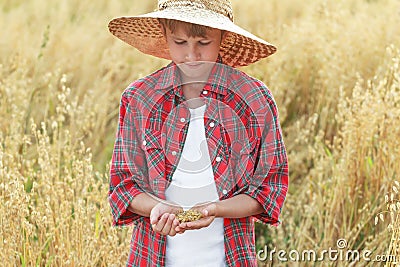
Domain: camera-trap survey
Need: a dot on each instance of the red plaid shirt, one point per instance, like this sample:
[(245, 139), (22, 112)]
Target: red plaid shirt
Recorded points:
[(245, 146)]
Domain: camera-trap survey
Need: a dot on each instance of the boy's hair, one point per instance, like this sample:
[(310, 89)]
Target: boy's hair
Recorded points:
[(192, 30)]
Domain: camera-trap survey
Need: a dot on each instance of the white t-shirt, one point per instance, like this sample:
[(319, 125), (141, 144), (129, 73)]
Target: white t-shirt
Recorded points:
[(193, 183)]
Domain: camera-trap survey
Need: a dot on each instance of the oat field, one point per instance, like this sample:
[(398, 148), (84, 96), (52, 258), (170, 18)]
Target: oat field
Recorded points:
[(335, 78)]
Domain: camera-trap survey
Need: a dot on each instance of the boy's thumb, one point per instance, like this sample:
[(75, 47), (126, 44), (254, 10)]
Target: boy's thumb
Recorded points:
[(153, 217), (205, 212)]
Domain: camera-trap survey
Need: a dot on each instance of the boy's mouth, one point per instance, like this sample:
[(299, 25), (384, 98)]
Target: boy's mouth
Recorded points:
[(196, 68), (193, 65)]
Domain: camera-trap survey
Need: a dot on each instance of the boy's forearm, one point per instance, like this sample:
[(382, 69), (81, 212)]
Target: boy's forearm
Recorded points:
[(239, 206), (142, 204), (236, 207)]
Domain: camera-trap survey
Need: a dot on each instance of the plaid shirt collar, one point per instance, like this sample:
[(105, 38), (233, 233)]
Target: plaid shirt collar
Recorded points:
[(216, 81)]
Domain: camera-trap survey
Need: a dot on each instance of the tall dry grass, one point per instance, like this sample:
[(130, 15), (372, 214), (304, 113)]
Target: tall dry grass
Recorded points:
[(335, 79)]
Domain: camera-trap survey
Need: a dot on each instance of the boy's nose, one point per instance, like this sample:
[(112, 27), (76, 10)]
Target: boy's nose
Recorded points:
[(193, 54)]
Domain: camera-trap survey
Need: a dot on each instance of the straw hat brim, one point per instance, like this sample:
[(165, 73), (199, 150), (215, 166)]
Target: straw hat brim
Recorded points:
[(240, 47)]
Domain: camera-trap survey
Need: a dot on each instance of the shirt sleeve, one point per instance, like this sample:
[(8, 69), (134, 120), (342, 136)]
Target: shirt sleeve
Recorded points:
[(124, 171), (271, 174)]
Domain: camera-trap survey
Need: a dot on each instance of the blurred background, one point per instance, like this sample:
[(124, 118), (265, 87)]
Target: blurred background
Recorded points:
[(335, 78)]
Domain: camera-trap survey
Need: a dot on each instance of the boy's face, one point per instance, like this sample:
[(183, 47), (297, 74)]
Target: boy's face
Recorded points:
[(193, 55)]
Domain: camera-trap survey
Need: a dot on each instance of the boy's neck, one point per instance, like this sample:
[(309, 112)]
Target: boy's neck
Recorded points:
[(192, 90)]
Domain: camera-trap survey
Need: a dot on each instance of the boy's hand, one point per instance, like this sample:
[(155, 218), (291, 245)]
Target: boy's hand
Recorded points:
[(208, 211), (163, 219)]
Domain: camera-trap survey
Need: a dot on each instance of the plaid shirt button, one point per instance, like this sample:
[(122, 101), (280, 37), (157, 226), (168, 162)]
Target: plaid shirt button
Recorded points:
[(183, 120), (205, 92), (144, 142), (224, 192), (212, 124), (173, 153), (218, 159)]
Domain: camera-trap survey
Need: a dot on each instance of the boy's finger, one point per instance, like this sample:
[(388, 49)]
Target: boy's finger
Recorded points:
[(173, 232), (200, 223), (161, 222), (168, 225), (179, 230), (176, 221)]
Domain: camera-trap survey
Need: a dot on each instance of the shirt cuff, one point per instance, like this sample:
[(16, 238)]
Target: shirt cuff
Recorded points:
[(120, 199), (268, 216), (271, 195)]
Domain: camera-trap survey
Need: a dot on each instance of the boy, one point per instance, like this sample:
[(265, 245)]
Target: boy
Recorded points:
[(197, 134)]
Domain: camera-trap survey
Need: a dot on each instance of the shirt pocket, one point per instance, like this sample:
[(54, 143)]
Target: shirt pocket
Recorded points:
[(155, 158), (151, 139), (244, 158), (217, 145)]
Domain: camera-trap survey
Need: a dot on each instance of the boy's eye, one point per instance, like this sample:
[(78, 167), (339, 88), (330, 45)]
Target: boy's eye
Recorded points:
[(180, 42), (205, 42)]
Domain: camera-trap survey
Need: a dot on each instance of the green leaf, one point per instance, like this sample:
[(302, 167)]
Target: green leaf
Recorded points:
[(370, 161), (28, 185)]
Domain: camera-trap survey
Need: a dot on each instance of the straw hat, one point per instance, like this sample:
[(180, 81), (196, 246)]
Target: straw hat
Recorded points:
[(240, 47)]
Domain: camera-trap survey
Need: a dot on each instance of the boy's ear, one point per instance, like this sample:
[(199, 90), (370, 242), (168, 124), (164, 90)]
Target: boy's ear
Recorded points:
[(224, 34)]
